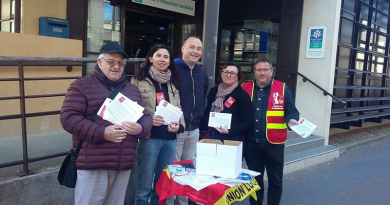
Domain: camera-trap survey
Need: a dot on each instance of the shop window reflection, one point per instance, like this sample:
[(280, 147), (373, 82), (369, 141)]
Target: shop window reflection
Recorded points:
[(249, 40), (103, 25)]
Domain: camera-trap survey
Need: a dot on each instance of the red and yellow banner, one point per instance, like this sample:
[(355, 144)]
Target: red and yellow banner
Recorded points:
[(217, 194)]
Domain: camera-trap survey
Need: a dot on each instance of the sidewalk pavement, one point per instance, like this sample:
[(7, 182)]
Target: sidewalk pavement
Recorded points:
[(361, 175)]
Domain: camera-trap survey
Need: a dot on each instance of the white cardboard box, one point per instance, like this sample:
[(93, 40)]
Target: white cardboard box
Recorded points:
[(219, 159)]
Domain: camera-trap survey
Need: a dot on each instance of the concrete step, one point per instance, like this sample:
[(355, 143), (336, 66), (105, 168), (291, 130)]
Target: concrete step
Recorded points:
[(292, 135), (301, 144), (306, 158)]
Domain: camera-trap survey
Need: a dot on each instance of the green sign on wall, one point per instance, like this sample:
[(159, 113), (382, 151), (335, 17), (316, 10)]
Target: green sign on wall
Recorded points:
[(316, 42)]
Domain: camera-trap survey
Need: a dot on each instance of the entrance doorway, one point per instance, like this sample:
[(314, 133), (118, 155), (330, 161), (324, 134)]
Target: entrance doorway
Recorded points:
[(144, 29)]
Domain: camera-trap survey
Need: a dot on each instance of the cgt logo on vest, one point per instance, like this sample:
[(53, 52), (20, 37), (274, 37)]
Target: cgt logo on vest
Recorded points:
[(278, 101)]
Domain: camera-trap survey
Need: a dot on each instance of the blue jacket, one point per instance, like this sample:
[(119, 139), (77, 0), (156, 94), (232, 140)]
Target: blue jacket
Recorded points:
[(260, 105), (193, 88)]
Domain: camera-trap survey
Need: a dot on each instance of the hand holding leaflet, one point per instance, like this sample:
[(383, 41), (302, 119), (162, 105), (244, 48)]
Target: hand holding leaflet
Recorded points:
[(120, 109), (105, 113), (217, 119), (304, 128), (169, 112)]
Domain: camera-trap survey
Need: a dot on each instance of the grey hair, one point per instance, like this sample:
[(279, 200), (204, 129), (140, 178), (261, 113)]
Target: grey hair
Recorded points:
[(103, 55)]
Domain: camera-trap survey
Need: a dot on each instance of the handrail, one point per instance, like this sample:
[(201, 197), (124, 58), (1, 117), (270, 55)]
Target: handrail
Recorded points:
[(58, 59), (362, 71), (19, 63), (322, 89)]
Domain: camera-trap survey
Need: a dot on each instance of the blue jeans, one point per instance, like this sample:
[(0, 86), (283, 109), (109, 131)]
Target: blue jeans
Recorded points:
[(153, 156)]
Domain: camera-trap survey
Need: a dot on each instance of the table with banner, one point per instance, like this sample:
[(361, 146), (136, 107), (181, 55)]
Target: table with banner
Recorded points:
[(218, 194)]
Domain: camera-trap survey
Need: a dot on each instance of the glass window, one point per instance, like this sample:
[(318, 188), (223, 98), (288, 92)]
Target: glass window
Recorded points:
[(224, 51), (380, 43), (362, 37), (7, 18), (250, 41), (369, 55), (383, 5), (348, 15), (377, 64), (188, 28), (359, 60), (364, 13), (343, 57), (349, 5), (382, 20), (346, 31), (371, 44), (103, 24), (91, 66)]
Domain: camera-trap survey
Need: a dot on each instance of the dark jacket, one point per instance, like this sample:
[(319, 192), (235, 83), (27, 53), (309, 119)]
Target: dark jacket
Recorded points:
[(193, 89), (260, 105), (83, 98), (241, 110)]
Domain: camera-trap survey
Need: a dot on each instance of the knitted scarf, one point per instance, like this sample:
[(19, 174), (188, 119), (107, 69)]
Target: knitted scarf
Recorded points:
[(221, 94), (160, 77)]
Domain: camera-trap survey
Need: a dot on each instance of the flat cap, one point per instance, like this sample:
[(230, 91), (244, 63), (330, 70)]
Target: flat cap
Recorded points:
[(113, 47)]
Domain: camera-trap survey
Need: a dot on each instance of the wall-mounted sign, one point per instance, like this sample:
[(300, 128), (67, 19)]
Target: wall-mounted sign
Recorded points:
[(179, 6), (316, 38)]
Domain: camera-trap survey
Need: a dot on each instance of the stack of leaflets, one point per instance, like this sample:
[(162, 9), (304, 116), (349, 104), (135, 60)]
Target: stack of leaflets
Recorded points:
[(304, 128), (198, 182), (168, 111), (245, 176), (177, 170), (120, 109)]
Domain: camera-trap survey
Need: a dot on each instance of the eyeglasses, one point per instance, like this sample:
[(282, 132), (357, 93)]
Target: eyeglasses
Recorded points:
[(231, 73), (111, 62), (262, 70)]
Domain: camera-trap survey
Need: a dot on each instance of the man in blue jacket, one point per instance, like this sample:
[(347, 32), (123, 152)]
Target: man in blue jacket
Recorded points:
[(193, 89)]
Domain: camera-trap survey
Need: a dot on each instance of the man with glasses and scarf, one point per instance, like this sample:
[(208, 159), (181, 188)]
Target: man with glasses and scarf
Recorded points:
[(107, 152), (274, 109)]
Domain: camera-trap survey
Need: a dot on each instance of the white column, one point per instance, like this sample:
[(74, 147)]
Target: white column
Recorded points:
[(310, 101)]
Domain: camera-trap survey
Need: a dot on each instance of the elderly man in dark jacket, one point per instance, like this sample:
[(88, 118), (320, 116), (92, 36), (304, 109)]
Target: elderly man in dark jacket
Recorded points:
[(107, 153)]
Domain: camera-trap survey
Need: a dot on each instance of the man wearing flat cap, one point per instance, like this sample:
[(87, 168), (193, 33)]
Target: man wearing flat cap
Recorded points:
[(107, 152)]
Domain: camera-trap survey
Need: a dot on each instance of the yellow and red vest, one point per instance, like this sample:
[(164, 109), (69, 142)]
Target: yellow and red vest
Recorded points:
[(276, 128)]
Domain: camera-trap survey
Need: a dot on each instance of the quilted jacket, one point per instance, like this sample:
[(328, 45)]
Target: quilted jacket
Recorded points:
[(83, 98)]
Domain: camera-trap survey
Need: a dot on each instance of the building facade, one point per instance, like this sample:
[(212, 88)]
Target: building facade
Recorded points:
[(349, 59)]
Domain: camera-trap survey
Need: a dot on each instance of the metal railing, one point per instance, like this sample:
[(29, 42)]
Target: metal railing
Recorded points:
[(325, 92), (21, 62)]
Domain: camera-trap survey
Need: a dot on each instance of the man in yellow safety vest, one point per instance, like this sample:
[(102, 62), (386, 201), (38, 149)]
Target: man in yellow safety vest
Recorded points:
[(274, 110)]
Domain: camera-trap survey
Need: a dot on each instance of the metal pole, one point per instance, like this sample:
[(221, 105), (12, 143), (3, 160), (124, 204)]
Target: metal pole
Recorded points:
[(17, 17), (24, 127), (210, 38)]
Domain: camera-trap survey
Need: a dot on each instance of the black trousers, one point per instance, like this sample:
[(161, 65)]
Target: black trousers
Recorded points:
[(261, 156)]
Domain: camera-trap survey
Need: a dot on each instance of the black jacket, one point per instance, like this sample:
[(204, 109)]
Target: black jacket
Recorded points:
[(242, 114), (193, 88)]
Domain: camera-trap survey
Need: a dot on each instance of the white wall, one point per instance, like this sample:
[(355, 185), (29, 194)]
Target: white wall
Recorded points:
[(310, 101)]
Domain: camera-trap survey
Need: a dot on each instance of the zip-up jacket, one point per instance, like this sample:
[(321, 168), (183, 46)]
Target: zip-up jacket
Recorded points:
[(148, 92), (193, 89), (85, 95)]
